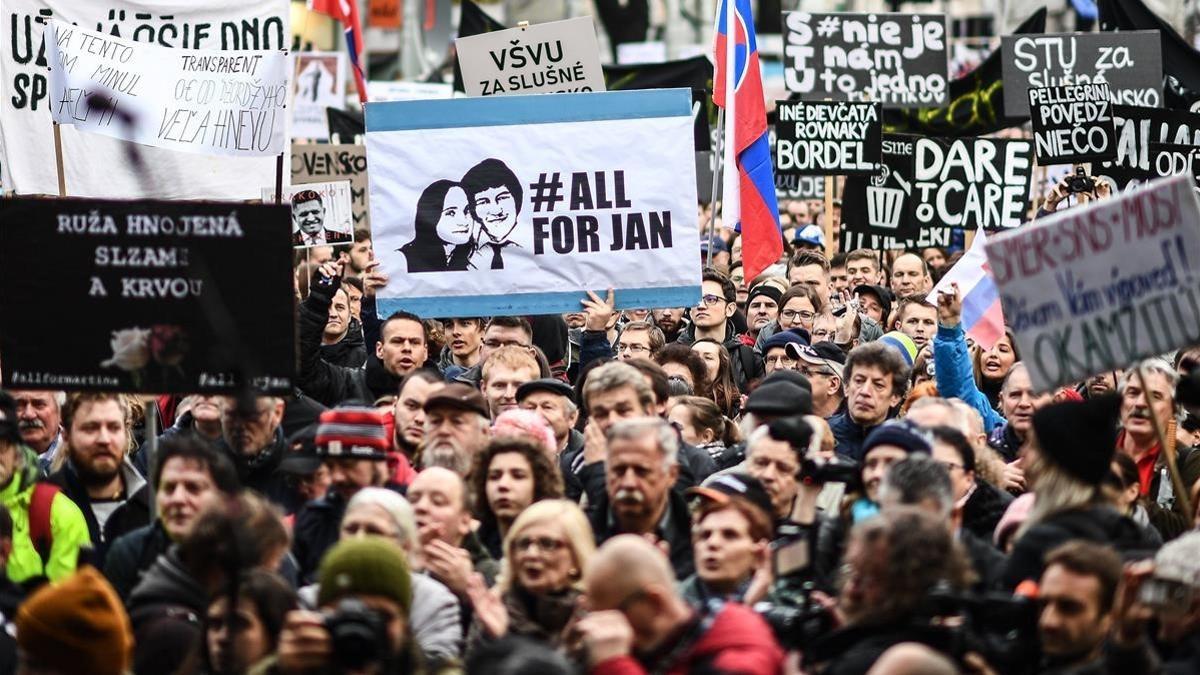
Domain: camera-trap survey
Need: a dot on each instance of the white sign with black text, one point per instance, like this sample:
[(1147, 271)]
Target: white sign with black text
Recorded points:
[(560, 56)]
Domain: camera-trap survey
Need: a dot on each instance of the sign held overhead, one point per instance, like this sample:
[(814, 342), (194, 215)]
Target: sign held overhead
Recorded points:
[(560, 56)]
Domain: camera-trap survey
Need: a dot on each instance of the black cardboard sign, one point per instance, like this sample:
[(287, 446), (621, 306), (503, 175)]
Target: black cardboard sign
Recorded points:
[(1072, 124), (826, 138)]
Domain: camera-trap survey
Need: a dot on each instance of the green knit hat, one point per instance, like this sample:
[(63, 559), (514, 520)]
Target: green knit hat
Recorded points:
[(366, 566)]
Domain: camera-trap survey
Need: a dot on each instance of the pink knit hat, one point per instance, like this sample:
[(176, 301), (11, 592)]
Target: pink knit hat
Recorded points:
[(527, 424)]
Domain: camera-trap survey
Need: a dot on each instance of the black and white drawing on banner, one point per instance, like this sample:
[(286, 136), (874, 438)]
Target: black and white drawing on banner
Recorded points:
[(468, 223), (899, 60)]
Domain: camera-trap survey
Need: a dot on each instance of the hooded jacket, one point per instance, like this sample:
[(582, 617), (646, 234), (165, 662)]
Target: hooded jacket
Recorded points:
[(731, 640), (350, 351), (166, 610), (1099, 524), (259, 473), (67, 526)]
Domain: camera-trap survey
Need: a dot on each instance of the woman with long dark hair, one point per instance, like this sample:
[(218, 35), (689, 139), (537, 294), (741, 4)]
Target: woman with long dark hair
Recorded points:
[(445, 230)]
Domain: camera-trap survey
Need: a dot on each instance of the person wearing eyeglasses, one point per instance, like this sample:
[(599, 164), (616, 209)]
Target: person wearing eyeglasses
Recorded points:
[(712, 319), (639, 340), (545, 553), (252, 437), (822, 364)]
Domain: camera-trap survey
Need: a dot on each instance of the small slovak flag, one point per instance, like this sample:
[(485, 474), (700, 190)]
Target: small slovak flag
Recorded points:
[(982, 316)]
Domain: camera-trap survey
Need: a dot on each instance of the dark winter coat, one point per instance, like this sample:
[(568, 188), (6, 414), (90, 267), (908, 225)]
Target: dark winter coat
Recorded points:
[(984, 508), (350, 351), (676, 530), (132, 554), (259, 473), (167, 611), (133, 513)]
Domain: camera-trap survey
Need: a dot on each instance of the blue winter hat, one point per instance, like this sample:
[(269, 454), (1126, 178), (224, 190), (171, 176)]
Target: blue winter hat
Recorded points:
[(900, 433), (794, 335), (809, 234)]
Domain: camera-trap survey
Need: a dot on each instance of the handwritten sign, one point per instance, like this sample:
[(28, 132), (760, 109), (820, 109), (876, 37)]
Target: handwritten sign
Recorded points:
[(1072, 124), (1130, 62), (878, 211), (478, 219), (828, 138), (1094, 289), (559, 56), (198, 101), (1138, 129), (324, 162), (165, 297), (899, 60)]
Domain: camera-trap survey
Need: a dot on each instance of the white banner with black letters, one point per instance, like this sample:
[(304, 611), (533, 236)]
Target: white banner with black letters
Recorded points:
[(507, 205), (98, 166), (207, 102), (559, 56)]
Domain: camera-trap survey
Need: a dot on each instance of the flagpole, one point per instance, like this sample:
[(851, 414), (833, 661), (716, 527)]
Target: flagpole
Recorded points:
[(712, 196)]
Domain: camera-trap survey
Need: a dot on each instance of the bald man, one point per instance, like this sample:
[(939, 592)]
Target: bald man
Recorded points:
[(910, 276), (639, 623)]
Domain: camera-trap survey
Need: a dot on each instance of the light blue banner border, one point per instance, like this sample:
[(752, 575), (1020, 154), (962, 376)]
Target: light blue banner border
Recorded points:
[(487, 111), (559, 302)]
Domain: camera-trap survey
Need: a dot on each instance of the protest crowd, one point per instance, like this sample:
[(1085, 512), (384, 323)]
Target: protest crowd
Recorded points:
[(846, 430)]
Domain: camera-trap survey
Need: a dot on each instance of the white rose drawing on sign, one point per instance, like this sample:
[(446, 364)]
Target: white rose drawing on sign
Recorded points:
[(131, 349)]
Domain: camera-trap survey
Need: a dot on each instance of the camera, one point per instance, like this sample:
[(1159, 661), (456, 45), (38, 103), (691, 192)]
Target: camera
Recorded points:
[(1080, 182), (813, 469), (1001, 628), (358, 634), (797, 626)]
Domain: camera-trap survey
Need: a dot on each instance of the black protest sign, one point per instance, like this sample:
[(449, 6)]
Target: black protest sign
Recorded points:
[(971, 182), (158, 297), (1139, 127), (1170, 159), (1072, 124), (799, 187), (898, 60), (828, 138), (877, 212), (695, 73), (1130, 63)]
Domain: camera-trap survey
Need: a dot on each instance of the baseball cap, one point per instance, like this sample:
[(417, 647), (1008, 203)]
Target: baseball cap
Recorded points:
[(823, 354), (779, 397), (881, 294), (458, 396), (548, 384), (809, 234), (722, 487)]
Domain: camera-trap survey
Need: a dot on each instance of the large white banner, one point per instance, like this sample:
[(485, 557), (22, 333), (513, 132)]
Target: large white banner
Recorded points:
[(203, 101), (1094, 289), (97, 166), (506, 205)]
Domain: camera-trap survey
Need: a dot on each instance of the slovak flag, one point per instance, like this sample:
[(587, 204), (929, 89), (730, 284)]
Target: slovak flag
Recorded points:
[(748, 192), (982, 317), (346, 11)]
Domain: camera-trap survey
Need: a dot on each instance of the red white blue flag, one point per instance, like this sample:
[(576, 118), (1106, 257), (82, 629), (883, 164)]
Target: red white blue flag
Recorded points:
[(982, 317), (346, 12), (748, 192)]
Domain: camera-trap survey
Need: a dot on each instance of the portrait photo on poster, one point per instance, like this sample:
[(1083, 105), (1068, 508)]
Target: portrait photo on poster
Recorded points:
[(321, 213), (467, 223)]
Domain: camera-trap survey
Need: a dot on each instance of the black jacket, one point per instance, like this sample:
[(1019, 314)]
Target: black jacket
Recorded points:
[(317, 528), (1169, 520), (987, 561), (133, 513), (167, 611), (1100, 524), (748, 365), (132, 554), (259, 473), (350, 351), (328, 383), (676, 531), (984, 508), (849, 435)]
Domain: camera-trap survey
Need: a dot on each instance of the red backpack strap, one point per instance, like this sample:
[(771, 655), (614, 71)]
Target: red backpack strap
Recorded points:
[(39, 518)]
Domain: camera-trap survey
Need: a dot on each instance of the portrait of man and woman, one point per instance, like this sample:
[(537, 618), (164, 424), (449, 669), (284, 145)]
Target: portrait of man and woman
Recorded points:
[(468, 224)]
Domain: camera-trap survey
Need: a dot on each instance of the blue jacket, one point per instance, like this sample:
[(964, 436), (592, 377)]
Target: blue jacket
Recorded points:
[(955, 377), (848, 436)]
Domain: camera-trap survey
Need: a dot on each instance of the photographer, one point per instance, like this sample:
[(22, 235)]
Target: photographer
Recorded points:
[(363, 626), (1163, 595), (1083, 187)]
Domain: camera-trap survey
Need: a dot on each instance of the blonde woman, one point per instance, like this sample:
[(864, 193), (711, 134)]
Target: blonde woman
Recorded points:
[(545, 552)]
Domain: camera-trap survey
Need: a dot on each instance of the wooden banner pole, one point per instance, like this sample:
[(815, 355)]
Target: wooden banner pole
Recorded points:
[(58, 161), (831, 246)]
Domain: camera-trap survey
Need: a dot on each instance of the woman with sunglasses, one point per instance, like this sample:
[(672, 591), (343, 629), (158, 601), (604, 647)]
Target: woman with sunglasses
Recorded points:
[(541, 578)]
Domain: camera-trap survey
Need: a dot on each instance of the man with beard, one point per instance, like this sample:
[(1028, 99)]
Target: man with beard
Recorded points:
[(456, 428), (1076, 593), (39, 419), (352, 442), (670, 322), (356, 257), (408, 411), (97, 475), (252, 438), (640, 469), (1138, 440)]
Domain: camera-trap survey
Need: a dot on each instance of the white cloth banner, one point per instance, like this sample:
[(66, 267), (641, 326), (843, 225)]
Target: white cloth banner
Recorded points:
[(98, 166), (506, 205), (202, 101), (1094, 289)]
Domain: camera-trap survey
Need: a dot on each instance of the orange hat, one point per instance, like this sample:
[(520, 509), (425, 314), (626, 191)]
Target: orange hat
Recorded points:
[(77, 626)]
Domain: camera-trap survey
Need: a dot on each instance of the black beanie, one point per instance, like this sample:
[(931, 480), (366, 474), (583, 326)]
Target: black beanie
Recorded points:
[(764, 288), (550, 334), (1080, 437)]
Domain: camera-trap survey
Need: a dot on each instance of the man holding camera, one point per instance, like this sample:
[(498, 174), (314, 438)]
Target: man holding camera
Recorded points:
[(363, 627)]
